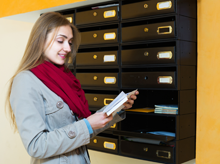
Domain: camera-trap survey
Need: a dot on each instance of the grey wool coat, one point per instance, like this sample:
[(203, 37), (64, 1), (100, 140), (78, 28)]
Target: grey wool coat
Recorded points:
[(50, 133)]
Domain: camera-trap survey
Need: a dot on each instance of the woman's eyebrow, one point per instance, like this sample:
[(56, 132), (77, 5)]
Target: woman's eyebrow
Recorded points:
[(64, 36)]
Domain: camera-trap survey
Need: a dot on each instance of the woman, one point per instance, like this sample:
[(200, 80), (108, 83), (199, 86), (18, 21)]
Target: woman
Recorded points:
[(46, 102)]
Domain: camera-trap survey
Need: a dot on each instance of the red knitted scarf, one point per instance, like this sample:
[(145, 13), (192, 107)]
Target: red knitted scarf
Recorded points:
[(65, 85)]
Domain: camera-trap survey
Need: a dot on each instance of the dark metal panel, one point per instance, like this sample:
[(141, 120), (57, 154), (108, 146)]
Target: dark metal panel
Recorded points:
[(95, 16), (187, 77), (148, 151), (147, 80), (187, 101), (187, 125), (97, 79), (97, 58), (185, 150), (97, 37), (99, 100), (144, 8), (159, 55), (148, 31), (98, 143)]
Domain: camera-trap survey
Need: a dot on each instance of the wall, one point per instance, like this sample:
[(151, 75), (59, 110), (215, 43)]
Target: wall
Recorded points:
[(14, 35), (24, 6), (208, 94)]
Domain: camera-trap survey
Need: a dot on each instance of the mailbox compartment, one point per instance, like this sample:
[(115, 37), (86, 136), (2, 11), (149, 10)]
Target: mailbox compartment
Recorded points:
[(134, 9), (180, 77), (141, 124), (148, 151), (103, 58), (99, 80), (180, 152), (96, 100), (179, 52), (161, 28), (184, 99), (89, 16), (99, 35), (105, 142)]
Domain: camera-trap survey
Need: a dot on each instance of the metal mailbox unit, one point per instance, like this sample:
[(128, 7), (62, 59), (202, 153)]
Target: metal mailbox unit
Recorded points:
[(149, 45)]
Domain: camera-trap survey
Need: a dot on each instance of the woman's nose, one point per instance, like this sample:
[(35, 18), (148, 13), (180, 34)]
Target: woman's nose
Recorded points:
[(67, 47)]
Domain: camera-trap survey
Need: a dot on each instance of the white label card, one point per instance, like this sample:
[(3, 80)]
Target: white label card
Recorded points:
[(110, 13), (166, 55), (110, 80), (109, 145), (109, 36), (165, 5), (164, 80), (109, 58)]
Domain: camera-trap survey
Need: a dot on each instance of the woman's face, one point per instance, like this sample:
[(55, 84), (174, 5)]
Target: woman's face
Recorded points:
[(60, 46)]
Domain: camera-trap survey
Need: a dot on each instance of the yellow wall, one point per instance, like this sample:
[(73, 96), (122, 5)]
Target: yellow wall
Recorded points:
[(13, 7), (208, 94), (14, 36)]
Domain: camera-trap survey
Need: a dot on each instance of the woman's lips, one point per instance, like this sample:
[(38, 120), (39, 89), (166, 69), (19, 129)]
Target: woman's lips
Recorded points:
[(62, 56)]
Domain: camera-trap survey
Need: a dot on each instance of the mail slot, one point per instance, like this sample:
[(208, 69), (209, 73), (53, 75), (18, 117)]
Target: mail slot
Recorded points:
[(104, 58), (109, 80), (97, 15), (146, 8), (99, 100), (180, 77), (149, 79), (155, 31), (99, 37), (159, 55), (104, 144), (158, 153)]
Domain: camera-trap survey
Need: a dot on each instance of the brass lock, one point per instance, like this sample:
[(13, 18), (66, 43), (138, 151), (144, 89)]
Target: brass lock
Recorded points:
[(95, 56), (145, 29), (145, 149), (95, 14), (95, 77), (95, 99), (95, 141), (145, 6), (95, 35), (146, 53)]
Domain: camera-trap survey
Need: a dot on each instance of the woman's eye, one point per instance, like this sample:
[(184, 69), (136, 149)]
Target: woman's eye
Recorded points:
[(70, 44), (59, 41)]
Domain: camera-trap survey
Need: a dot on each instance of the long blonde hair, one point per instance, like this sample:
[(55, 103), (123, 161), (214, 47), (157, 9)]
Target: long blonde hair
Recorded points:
[(34, 51)]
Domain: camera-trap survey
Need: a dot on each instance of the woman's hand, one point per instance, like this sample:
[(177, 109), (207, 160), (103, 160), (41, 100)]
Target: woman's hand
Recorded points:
[(99, 120), (128, 104)]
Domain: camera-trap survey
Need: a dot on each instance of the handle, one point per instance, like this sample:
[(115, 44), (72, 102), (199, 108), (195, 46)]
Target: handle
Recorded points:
[(109, 145), (109, 80), (161, 156), (109, 14), (165, 80), (164, 5)]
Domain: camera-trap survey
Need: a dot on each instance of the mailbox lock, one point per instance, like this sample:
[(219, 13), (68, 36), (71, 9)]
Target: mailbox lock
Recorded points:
[(95, 98), (95, 77), (146, 53), (145, 6)]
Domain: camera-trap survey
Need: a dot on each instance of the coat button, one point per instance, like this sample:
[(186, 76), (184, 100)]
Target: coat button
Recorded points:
[(60, 104), (77, 151), (71, 112), (71, 134)]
